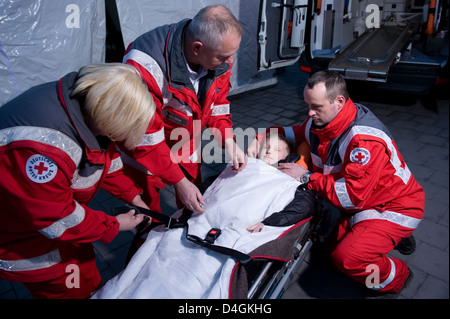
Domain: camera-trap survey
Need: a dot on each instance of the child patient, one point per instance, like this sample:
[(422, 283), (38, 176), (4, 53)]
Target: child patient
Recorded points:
[(276, 149)]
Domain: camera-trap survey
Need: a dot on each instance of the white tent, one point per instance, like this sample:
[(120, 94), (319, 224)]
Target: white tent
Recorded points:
[(42, 40)]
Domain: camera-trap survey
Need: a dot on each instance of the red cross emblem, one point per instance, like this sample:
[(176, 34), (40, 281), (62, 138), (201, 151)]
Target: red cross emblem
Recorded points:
[(40, 168), (360, 155)]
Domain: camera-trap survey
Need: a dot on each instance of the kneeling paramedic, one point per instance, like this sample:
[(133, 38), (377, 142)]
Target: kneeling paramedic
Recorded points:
[(358, 168)]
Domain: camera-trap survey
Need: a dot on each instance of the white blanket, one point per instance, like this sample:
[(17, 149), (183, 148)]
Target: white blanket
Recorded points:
[(167, 265)]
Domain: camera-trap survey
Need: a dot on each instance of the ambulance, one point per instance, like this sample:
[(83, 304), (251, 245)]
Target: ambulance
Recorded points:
[(396, 46)]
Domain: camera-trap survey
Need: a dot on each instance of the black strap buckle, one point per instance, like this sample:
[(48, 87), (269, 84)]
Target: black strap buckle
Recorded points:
[(209, 239), (175, 223), (212, 235)]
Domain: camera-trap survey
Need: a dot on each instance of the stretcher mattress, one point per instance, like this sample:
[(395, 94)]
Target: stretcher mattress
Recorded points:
[(167, 265)]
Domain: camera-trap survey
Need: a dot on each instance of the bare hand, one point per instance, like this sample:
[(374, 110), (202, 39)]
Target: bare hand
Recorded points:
[(190, 195), (253, 148), (292, 169), (236, 154), (129, 220), (255, 228)]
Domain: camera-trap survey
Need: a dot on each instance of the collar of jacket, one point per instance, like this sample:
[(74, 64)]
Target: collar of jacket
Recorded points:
[(73, 110), (176, 67), (340, 123)]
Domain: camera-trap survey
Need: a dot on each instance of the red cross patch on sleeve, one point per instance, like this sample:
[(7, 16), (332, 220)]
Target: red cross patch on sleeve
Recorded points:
[(360, 156), (40, 168)]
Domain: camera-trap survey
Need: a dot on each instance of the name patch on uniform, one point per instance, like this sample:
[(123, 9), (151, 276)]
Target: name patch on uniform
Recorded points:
[(41, 169), (360, 156)]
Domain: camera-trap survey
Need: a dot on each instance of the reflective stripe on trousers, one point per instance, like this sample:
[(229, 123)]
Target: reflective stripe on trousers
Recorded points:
[(388, 280), (393, 217)]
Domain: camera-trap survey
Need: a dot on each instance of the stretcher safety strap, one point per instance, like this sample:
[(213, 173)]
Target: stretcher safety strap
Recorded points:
[(393, 217), (35, 263), (133, 163), (181, 222)]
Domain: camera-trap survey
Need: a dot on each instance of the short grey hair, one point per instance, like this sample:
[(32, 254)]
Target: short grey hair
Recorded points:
[(211, 23)]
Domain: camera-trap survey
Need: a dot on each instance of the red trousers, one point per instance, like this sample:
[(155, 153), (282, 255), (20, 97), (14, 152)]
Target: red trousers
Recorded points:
[(359, 251), (81, 280)]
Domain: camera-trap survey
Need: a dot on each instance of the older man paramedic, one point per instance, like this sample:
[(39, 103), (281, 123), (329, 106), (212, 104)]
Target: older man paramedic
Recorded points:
[(186, 67), (56, 150), (359, 170)]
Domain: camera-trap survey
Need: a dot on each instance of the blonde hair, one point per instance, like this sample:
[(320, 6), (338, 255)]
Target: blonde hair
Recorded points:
[(117, 102)]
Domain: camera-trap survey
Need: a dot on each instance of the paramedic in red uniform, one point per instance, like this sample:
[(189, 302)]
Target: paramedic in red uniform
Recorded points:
[(186, 67), (56, 150), (358, 168)]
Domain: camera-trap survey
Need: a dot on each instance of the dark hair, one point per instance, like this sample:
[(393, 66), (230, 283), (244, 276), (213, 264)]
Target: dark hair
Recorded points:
[(334, 83)]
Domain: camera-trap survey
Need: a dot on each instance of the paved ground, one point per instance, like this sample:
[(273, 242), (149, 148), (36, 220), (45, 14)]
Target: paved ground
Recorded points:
[(422, 136)]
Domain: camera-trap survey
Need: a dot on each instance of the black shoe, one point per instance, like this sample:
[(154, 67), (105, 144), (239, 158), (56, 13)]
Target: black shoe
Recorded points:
[(407, 246)]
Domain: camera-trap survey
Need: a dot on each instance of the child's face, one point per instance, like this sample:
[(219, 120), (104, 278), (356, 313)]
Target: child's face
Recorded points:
[(276, 150)]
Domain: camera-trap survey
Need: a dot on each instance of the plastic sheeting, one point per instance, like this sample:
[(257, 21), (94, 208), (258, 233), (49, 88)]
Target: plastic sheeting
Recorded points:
[(41, 40), (139, 16)]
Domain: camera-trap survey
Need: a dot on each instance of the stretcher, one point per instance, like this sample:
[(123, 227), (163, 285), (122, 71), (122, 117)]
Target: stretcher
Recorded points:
[(212, 255), (370, 57)]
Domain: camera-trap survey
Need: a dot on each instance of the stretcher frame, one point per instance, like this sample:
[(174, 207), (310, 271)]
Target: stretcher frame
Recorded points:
[(273, 281), (275, 277)]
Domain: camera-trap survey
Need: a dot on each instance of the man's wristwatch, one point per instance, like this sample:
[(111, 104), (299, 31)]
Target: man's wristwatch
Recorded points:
[(304, 179)]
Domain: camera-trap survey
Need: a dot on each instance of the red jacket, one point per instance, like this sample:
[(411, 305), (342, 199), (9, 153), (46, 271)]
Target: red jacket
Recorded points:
[(181, 114), (359, 169), (52, 166)]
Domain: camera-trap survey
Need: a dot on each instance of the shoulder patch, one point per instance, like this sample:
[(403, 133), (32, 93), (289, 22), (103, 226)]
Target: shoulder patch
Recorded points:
[(360, 155), (40, 168)]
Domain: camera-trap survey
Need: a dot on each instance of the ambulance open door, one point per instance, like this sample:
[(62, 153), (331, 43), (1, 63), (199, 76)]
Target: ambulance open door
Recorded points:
[(281, 34)]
